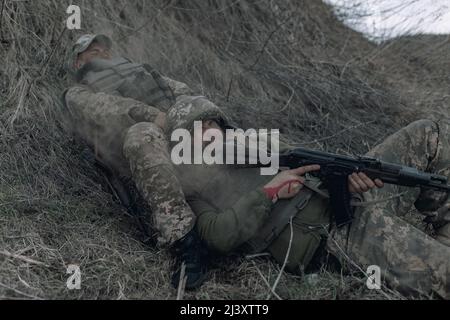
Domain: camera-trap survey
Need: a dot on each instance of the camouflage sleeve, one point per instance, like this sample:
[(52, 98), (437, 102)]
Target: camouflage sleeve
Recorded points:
[(229, 228), (178, 88), (101, 120), (82, 99)]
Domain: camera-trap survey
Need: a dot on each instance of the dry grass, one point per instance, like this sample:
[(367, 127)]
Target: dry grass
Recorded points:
[(293, 67), (419, 71)]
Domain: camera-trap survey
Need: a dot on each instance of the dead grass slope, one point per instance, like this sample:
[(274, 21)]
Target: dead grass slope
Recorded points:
[(418, 68)]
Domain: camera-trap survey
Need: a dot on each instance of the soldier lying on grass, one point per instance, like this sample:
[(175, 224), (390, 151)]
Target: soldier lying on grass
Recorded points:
[(105, 108), (234, 206)]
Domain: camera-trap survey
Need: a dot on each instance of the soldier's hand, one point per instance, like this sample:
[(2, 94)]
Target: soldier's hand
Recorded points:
[(287, 184), (360, 183)]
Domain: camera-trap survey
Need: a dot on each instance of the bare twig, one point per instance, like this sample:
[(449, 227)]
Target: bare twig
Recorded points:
[(261, 52), (288, 103), (147, 21), (229, 88), (258, 255), (20, 292), (286, 259), (22, 258), (182, 283), (265, 281), (1, 20)]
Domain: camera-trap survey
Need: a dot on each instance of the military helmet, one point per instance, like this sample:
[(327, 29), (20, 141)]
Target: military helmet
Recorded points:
[(83, 43), (189, 109)]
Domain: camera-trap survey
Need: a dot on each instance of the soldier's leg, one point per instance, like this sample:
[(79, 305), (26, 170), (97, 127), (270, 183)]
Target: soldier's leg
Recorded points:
[(146, 149), (437, 205), (410, 260), (428, 200)]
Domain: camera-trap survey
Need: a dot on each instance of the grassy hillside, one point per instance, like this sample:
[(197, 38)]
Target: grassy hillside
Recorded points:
[(418, 67), (293, 66)]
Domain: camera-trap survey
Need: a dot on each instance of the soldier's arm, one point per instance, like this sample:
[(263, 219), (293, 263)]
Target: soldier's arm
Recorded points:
[(178, 88), (80, 100), (226, 229)]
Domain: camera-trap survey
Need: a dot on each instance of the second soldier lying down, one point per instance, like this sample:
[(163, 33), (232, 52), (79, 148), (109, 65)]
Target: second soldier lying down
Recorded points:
[(234, 204), (104, 109)]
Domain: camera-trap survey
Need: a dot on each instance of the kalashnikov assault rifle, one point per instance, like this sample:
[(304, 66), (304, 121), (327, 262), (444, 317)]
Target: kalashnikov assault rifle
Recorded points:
[(335, 169)]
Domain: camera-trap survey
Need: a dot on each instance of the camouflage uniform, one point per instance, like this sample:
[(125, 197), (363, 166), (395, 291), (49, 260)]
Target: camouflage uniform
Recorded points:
[(409, 259), (147, 150), (232, 209), (113, 113)]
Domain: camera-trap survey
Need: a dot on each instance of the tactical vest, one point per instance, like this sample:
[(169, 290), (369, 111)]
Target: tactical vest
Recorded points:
[(131, 80)]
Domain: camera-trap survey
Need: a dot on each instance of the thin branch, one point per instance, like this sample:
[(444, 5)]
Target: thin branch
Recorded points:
[(20, 292), (268, 40), (1, 20), (147, 21), (229, 88), (23, 258), (182, 283), (258, 255), (285, 260), (265, 281)]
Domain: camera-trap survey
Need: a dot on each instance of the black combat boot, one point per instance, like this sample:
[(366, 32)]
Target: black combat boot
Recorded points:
[(191, 251)]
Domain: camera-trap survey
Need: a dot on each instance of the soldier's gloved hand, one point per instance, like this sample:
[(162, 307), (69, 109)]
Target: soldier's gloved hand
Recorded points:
[(287, 184), (360, 183)]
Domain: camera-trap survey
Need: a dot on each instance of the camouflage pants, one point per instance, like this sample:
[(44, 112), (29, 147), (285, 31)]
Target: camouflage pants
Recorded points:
[(410, 260), (147, 151)]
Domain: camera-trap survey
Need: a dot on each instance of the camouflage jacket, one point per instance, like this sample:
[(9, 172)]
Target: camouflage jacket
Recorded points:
[(101, 120)]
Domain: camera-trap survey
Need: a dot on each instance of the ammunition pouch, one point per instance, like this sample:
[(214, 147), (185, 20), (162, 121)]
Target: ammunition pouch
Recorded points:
[(280, 217)]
